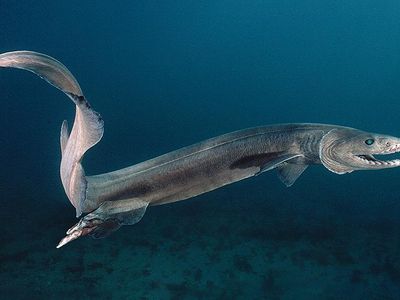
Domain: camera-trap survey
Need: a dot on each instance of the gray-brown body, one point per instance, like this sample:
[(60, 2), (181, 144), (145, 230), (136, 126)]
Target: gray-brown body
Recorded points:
[(121, 197), (208, 165)]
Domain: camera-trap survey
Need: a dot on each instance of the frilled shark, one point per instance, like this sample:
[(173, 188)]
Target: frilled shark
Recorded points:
[(121, 197)]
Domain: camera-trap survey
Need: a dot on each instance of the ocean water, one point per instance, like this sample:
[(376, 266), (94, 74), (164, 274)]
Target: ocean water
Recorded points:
[(166, 74)]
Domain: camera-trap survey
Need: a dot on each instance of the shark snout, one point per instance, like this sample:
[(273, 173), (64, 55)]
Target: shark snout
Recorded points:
[(389, 145)]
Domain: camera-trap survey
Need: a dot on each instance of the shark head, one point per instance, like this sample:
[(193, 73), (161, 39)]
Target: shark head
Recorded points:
[(344, 150)]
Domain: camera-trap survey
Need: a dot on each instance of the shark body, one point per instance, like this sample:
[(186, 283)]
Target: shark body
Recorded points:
[(121, 197)]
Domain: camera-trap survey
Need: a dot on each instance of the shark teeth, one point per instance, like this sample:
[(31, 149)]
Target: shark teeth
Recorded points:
[(393, 149), (369, 159)]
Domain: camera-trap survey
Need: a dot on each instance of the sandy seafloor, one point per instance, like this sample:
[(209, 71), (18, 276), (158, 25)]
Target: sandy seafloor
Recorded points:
[(303, 243)]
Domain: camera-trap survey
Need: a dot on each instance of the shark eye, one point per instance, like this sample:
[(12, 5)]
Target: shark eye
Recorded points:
[(369, 142)]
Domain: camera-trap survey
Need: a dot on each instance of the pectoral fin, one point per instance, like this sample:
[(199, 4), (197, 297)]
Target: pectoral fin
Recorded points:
[(288, 172), (276, 162)]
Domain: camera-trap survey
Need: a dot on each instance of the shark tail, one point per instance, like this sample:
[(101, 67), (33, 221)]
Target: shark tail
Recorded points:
[(87, 129)]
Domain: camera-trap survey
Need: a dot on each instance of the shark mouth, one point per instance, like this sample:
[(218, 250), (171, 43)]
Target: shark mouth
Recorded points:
[(371, 160)]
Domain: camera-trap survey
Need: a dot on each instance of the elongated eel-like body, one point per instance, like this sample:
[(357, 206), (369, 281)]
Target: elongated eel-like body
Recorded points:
[(210, 164), (121, 197)]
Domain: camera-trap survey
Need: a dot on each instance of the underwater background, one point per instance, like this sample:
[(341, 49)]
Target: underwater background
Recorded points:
[(166, 74)]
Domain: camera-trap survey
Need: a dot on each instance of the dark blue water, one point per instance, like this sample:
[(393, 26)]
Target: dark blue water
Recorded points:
[(165, 74)]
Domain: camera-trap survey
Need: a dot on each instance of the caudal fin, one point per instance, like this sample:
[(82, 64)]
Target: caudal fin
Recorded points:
[(88, 126)]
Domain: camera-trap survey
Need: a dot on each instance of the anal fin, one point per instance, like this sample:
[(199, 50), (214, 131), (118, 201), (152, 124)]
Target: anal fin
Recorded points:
[(288, 173)]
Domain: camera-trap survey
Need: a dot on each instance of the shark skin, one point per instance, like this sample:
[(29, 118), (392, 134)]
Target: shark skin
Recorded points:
[(121, 197)]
